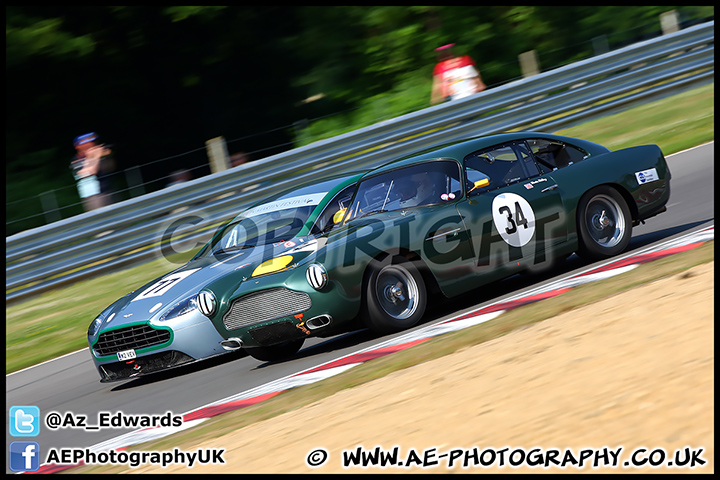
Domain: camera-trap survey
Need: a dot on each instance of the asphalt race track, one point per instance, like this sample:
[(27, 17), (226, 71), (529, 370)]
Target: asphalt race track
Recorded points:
[(71, 383)]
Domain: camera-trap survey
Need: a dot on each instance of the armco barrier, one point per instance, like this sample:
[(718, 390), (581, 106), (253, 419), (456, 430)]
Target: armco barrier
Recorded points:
[(129, 232)]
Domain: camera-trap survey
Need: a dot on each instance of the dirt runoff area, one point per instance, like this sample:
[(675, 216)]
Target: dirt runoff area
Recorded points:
[(631, 374)]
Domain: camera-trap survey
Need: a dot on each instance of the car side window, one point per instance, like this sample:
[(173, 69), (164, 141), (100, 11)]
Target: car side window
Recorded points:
[(493, 168), (334, 211), (552, 154), (429, 183), (527, 159)]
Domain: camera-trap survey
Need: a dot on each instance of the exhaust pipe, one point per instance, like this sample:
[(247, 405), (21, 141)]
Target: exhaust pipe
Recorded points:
[(231, 344), (638, 222), (319, 321)]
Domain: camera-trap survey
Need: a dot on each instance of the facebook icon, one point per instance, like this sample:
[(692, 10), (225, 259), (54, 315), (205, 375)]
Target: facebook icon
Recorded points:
[(24, 456)]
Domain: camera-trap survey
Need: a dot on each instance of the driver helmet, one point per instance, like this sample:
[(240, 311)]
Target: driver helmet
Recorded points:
[(406, 188), (424, 187)]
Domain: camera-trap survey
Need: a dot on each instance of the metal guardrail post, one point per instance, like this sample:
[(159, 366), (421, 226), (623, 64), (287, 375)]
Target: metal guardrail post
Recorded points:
[(529, 63), (133, 176), (50, 206), (669, 22), (218, 154)]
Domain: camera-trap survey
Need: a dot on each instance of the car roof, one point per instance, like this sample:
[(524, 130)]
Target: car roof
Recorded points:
[(458, 150), (333, 183)]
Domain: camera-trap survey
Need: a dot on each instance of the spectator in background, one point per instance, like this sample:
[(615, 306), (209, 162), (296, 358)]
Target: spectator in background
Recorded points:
[(179, 176), (454, 77), (238, 159), (88, 166)]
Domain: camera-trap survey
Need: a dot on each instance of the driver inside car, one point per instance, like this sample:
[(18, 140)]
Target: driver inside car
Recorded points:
[(414, 191)]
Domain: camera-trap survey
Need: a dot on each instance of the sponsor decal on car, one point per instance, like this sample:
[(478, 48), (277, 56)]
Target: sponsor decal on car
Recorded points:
[(646, 176), (309, 246), (293, 202)]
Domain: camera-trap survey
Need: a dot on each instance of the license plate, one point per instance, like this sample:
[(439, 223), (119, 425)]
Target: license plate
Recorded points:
[(126, 355)]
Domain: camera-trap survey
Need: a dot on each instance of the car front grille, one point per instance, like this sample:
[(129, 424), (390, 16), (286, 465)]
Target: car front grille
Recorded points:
[(265, 305), (130, 338)]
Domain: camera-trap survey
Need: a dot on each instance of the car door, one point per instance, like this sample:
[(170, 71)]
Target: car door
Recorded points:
[(513, 211), (411, 209)]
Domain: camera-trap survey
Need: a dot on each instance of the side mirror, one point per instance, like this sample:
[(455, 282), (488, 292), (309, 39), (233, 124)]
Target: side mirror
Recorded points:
[(480, 183), (339, 215)]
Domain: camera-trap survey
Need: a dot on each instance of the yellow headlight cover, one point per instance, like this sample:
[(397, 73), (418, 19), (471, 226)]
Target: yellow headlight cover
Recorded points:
[(273, 265)]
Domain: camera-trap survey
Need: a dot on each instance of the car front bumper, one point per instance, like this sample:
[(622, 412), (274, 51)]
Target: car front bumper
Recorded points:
[(191, 339)]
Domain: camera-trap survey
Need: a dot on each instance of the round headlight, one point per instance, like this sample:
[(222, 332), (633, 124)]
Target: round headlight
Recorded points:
[(316, 276), (206, 302), (94, 326), (186, 305), (97, 323)]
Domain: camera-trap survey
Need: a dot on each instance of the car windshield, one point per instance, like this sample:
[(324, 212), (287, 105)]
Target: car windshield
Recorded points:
[(418, 185), (277, 220)]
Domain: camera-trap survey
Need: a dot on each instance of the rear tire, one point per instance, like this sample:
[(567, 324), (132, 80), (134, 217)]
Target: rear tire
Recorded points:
[(272, 353), (604, 223), (395, 296)]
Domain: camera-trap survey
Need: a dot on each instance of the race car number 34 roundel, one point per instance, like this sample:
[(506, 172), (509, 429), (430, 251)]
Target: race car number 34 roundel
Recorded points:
[(514, 219)]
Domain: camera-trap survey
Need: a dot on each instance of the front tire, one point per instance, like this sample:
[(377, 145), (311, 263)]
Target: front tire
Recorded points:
[(395, 296), (273, 353), (604, 223)]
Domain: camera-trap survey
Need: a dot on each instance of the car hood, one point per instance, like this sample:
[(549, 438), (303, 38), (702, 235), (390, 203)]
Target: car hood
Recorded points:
[(154, 299)]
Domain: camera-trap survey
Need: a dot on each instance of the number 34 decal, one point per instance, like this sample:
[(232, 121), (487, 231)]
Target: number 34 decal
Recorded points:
[(514, 219)]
